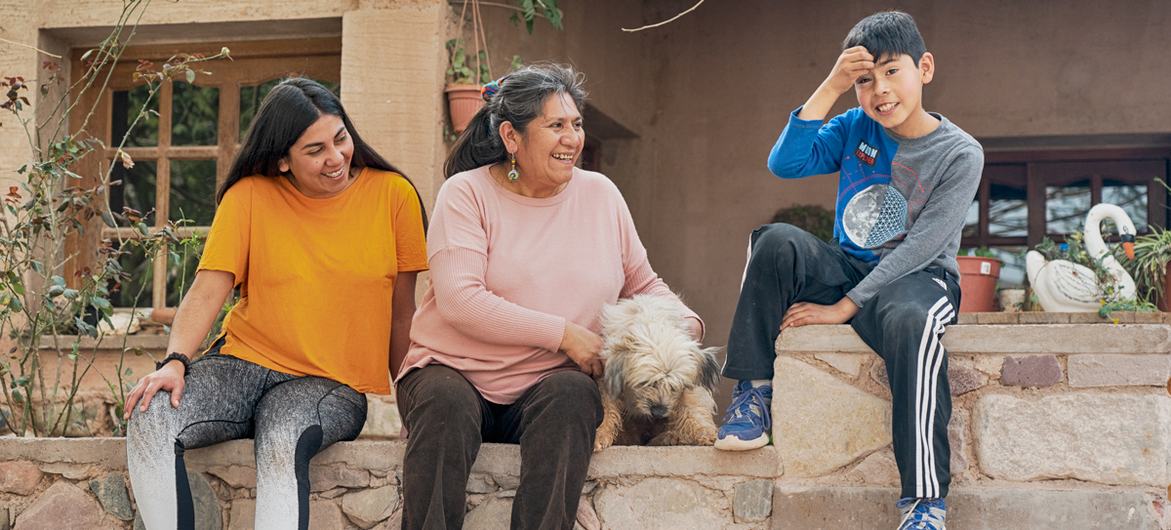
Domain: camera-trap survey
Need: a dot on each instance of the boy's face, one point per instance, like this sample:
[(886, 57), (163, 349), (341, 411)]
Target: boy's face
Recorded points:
[(892, 93)]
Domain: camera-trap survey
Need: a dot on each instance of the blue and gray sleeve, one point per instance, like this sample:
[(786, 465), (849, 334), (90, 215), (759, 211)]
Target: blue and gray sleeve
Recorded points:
[(937, 227)]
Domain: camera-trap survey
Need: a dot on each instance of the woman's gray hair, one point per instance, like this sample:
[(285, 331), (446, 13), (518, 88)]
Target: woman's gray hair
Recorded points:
[(518, 100)]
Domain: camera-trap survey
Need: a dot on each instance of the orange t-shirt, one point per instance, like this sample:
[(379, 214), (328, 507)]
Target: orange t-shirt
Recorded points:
[(316, 276)]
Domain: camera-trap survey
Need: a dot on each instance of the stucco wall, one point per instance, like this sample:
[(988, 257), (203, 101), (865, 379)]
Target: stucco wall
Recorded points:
[(709, 93), (385, 91), (14, 61), (736, 71)]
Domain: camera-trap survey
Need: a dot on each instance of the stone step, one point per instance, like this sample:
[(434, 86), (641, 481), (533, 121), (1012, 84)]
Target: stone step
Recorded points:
[(1061, 426), (973, 508), (998, 339), (627, 487)]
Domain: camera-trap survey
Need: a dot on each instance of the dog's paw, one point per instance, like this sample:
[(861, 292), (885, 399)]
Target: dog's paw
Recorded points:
[(705, 437), (604, 438), (697, 437), (667, 438)]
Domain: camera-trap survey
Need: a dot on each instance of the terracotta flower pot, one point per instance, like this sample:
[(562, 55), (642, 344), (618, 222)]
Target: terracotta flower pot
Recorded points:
[(463, 102), (978, 277)]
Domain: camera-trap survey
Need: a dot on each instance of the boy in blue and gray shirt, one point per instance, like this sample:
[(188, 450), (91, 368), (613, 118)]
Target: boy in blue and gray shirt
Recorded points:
[(907, 178)]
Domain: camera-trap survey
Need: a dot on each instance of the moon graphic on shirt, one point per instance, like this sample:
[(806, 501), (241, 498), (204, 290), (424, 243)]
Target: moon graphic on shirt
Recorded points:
[(874, 216)]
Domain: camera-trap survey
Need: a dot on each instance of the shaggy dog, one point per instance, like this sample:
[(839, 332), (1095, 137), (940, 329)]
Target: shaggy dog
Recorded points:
[(658, 383)]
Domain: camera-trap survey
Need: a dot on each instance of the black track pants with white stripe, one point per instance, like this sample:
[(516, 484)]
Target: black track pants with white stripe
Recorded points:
[(904, 323)]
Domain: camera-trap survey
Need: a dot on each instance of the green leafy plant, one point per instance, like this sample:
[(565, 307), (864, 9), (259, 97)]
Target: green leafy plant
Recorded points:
[(516, 63), (1152, 253), (45, 310), (460, 71), (809, 217), (528, 12), (469, 61), (980, 252)]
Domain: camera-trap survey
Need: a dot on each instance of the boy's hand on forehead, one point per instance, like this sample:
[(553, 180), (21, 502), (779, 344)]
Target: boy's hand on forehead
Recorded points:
[(851, 64)]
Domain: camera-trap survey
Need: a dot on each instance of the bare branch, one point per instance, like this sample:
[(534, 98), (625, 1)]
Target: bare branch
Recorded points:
[(31, 47), (668, 21)]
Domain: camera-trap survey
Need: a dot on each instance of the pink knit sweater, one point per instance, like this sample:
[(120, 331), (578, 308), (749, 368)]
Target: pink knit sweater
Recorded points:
[(507, 271)]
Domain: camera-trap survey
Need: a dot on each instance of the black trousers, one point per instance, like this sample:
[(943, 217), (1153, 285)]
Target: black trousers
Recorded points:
[(904, 323), (446, 418)]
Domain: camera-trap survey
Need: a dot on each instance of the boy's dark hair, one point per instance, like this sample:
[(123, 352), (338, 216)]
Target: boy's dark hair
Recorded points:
[(887, 33)]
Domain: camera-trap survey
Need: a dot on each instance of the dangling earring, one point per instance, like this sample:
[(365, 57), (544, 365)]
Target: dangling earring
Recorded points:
[(513, 174)]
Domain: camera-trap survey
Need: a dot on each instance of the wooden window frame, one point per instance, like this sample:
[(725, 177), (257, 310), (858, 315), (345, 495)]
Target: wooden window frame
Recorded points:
[(1039, 168), (253, 63)]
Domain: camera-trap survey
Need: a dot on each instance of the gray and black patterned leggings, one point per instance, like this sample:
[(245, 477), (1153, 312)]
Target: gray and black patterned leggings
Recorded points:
[(290, 417)]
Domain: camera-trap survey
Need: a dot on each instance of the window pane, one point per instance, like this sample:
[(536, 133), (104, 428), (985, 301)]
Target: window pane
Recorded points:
[(193, 191), (182, 261), (972, 221), (137, 187), (134, 290), (251, 96), (1066, 207), (1008, 211), (126, 106), (1012, 270), (1129, 197), (193, 114)]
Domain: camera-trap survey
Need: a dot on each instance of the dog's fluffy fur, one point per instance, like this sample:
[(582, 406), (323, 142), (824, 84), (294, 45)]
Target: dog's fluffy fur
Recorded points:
[(658, 383)]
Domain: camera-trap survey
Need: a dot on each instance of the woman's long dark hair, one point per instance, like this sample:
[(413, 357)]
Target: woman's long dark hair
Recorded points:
[(518, 100), (288, 109)]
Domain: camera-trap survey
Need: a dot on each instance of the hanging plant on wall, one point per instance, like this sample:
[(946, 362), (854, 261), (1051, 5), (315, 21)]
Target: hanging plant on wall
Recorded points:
[(469, 63)]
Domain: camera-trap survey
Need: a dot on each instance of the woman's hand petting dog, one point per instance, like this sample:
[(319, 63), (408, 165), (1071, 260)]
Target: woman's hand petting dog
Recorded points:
[(806, 313), (583, 346)]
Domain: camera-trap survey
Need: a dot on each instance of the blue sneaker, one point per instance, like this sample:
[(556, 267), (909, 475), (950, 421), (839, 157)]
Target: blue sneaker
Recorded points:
[(748, 422), (922, 514)]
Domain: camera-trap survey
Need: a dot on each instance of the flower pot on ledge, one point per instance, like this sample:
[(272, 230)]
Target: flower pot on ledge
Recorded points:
[(978, 276), (463, 102)]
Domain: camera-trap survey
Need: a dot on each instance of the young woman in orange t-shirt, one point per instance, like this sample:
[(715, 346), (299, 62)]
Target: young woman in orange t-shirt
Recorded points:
[(324, 239)]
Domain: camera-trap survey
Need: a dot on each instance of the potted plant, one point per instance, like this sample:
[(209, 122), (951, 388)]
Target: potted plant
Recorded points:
[(463, 84), (468, 72), (979, 272), (1152, 255), (811, 218)]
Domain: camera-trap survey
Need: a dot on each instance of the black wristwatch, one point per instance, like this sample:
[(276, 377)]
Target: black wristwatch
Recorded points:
[(174, 356)]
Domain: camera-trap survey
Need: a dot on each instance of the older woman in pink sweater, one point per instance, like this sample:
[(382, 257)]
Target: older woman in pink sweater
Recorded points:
[(525, 249)]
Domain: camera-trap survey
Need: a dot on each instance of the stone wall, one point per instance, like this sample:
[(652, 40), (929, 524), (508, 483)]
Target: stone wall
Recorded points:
[(95, 404), (1053, 426), (82, 483), (1063, 426)]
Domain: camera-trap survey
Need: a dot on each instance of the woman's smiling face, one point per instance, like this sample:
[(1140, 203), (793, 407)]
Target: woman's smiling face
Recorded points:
[(551, 143), (320, 160)]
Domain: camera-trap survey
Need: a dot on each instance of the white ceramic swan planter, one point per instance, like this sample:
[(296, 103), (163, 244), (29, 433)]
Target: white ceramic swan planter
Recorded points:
[(1063, 286)]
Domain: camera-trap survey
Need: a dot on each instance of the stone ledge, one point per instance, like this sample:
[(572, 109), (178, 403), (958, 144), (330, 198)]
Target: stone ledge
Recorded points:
[(109, 343), (991, 507), (999, 339), (1045, 317), (499, 459)]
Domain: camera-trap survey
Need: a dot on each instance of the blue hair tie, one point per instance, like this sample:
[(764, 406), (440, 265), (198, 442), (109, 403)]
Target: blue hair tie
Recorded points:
[(489, 90)]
